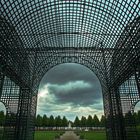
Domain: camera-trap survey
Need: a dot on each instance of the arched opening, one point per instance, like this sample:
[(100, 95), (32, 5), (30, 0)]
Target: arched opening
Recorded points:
[(137, 117), (74, 91), (2, 118)]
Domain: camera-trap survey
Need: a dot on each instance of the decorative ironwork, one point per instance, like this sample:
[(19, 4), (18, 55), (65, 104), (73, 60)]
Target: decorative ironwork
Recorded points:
[(36, 35)]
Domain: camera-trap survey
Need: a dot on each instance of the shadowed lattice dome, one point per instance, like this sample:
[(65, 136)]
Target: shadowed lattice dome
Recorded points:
[(69, 23)]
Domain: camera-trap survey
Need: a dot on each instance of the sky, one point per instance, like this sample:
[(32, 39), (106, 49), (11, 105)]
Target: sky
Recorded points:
[(72, 90)]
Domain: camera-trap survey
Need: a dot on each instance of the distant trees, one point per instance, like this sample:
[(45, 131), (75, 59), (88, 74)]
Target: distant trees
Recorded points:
[(50, 121), (58, 121), (38, 121), (90, 121), (83, 122), (63, 122), (96, 121), (45, 121), (102, 121), (76, 121)]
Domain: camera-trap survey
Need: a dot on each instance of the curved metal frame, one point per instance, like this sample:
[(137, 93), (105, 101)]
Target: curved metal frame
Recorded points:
[(102, 35)]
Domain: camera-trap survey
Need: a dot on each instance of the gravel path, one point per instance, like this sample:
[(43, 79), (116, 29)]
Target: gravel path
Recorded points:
[(69, 135)]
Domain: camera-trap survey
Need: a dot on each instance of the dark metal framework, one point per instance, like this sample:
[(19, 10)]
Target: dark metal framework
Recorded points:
[(36, 35)]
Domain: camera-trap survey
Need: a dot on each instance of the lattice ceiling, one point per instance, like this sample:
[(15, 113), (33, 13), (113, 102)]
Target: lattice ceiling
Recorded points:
[(69, 23)]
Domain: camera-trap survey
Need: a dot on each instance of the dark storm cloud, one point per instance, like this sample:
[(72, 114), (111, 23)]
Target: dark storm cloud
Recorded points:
[(63, 74), (69, 72), (70, 89), (82, 94)]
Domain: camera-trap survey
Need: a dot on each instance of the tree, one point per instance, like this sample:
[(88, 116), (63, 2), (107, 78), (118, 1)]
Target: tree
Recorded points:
[(83, 121), (51, 121), (76, 122), (89, 121), (64, 122), (44, 121), (96, 121), (58, 121), (102, 121), (38, 121)]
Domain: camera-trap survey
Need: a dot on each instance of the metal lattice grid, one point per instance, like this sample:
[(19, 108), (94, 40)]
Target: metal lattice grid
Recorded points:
[(36, 35)]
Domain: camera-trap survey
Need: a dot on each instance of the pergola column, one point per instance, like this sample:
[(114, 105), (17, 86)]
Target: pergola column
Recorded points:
[(1, 82), (115, 118), (23, 115)]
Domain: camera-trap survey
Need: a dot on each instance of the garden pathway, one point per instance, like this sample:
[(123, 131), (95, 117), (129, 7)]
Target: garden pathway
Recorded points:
[(69, 135)]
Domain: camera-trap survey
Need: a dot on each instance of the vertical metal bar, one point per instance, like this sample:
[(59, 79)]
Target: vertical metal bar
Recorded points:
[(1, 82), (23, 115)]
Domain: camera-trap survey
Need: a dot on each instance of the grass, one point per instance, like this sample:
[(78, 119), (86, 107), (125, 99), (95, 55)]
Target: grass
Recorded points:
[(90, 135), (46, 135), (93, 135)]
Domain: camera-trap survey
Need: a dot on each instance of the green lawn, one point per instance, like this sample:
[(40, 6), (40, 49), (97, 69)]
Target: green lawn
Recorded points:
[(93, 135), (50, 135), (46, 135)]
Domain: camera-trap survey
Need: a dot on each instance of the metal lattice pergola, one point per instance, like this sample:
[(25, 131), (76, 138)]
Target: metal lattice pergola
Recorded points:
[(36, 35)]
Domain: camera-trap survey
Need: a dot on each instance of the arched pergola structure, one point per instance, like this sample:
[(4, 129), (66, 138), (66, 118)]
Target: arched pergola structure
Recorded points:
[(36, 35)]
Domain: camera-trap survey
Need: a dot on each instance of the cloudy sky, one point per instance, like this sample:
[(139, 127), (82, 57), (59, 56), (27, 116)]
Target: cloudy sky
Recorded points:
[(70, 90)]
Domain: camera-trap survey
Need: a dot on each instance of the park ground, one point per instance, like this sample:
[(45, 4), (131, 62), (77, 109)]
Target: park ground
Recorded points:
[(88, 135)]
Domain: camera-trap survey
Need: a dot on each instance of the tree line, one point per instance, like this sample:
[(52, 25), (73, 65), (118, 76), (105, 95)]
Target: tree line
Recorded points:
[(63, 122), (51, 121)]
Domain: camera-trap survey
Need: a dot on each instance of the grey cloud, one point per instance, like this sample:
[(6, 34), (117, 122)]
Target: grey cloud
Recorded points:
[(68, 110), (81, 95), (66, 73), (69, 72), (68, 88)]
